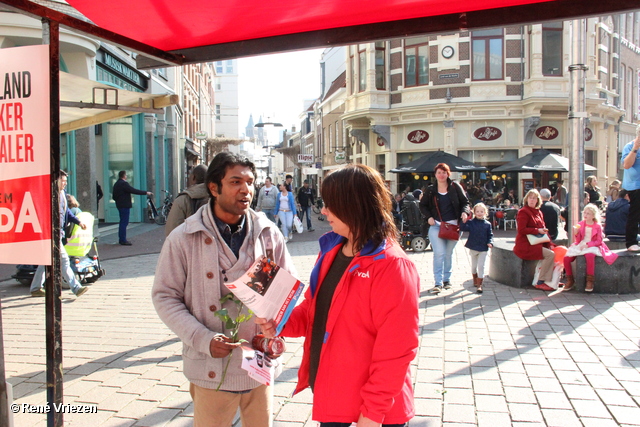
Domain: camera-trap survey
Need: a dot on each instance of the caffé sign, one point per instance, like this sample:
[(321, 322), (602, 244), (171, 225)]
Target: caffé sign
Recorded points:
[(547, 132), (487, 133), (418, 136)]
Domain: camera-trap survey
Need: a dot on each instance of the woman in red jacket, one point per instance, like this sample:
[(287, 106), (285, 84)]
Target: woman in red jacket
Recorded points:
[(531, 221), (360, 313)]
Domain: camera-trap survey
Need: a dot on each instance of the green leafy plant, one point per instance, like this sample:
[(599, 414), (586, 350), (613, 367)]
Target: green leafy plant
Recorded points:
[(231, 326)]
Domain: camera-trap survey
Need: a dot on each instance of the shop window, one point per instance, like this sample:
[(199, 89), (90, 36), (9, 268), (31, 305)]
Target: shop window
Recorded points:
[(219, 67), (380, 66), (488, 57), (218, 111), (362, 69), (552, 49), (416, 62)]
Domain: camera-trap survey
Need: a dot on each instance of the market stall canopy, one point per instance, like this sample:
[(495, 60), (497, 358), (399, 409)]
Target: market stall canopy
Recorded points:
[(428, 162), (539, 161), (85, 102), (203, 30)]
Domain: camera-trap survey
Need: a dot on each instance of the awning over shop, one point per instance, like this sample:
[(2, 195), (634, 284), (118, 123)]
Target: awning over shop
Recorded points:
[(86, 102)]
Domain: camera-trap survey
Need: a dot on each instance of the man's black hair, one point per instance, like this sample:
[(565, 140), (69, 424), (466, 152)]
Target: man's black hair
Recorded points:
[(219, 166), (288, 176), (199, 173), (121, 174), (622, 193)]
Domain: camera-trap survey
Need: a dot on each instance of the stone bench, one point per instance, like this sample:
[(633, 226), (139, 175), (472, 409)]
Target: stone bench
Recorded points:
[(622, 277), (506, 268)]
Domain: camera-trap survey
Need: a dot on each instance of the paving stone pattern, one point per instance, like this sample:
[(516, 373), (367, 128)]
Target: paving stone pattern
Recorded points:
[(508, 357)]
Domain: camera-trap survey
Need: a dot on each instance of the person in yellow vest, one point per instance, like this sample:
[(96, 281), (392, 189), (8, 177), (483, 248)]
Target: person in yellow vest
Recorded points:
[(37, 289)]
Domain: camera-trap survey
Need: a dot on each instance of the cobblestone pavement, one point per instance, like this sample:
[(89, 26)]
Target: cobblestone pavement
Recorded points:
[(508, 357)]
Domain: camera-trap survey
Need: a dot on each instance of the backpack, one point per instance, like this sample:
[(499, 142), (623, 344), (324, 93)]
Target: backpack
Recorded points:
[(197, 204)]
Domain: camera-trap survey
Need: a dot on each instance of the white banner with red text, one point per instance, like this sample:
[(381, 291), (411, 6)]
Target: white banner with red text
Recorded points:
[(25, 189)]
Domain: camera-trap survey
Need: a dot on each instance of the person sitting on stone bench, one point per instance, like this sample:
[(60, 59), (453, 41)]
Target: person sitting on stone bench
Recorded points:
[(616, 219)]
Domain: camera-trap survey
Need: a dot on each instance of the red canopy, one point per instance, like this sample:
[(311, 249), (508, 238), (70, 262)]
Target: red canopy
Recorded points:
[(181, 24), (191, 31)]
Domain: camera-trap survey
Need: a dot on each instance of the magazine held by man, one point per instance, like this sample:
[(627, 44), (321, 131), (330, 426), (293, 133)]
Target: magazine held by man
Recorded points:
[(269, 291)]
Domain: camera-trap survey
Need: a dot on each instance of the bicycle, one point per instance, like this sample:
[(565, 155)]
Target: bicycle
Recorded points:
[(317, 208), (152, 212), (163, 214), (159, 217)]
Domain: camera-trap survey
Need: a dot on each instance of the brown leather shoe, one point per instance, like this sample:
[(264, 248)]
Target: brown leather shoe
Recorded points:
[(475, 279), (479, 285), (590, 283), (570, 283)]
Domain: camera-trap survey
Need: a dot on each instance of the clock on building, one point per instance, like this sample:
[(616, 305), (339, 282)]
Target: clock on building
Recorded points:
[(447, 52)]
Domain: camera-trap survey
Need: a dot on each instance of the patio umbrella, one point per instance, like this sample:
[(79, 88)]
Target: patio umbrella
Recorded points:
[(428, 162), (539, 161)]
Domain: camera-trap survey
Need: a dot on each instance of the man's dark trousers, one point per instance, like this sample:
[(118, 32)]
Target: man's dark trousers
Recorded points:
[(124, 222), (308, 212), (634, 218)]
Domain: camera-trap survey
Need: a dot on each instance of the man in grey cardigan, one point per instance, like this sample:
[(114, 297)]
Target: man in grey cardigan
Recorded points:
[(216, 245), (267, 199)]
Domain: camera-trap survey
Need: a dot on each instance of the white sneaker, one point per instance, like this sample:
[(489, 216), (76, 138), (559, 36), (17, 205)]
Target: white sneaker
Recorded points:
[(634, 248)]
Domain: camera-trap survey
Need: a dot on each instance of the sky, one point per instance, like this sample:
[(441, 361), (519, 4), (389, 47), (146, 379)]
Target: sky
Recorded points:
[(275, 86)]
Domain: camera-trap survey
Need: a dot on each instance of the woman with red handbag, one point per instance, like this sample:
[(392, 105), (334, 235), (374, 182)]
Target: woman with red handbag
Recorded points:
[(444, 205)]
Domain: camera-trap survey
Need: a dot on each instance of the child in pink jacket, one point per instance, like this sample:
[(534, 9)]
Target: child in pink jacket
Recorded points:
[(588, 242)]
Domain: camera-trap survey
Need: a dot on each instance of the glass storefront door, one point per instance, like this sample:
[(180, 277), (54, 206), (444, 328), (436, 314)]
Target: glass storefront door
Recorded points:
[(121, 152)]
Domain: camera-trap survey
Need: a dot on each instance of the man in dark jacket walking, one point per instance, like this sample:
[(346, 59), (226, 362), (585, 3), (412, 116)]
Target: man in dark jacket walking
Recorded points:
[(306, 199), (122, 192)]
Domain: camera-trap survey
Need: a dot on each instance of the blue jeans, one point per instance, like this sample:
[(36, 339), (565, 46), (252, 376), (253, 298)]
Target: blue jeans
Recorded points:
[(124, 221), (270, 213), (67, 273), (286, 218), (442, 255), (308, 212)]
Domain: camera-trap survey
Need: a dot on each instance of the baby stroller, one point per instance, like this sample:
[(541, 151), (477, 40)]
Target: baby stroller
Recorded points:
[(413, 230), (86, 268)]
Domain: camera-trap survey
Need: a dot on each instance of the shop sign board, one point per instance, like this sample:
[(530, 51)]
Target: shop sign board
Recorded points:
[(418, 136), (25, 189), (305, 158), (588, 134), (487, 133), (200, 134), (340, 157), (547, 133)]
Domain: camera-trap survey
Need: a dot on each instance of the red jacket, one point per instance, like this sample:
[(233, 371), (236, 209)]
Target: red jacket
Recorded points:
[(529, 220), (371, 335)]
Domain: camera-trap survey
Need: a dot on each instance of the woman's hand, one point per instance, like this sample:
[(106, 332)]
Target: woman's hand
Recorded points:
[(464, 217), (366, 422), (431, 221), (268, 327), (543, 230)]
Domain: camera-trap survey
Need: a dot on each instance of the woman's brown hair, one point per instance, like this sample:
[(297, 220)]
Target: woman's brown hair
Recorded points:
[(357, 195)]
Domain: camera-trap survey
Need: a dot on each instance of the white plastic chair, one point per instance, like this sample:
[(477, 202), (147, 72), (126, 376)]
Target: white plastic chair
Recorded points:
[(510, 218)]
